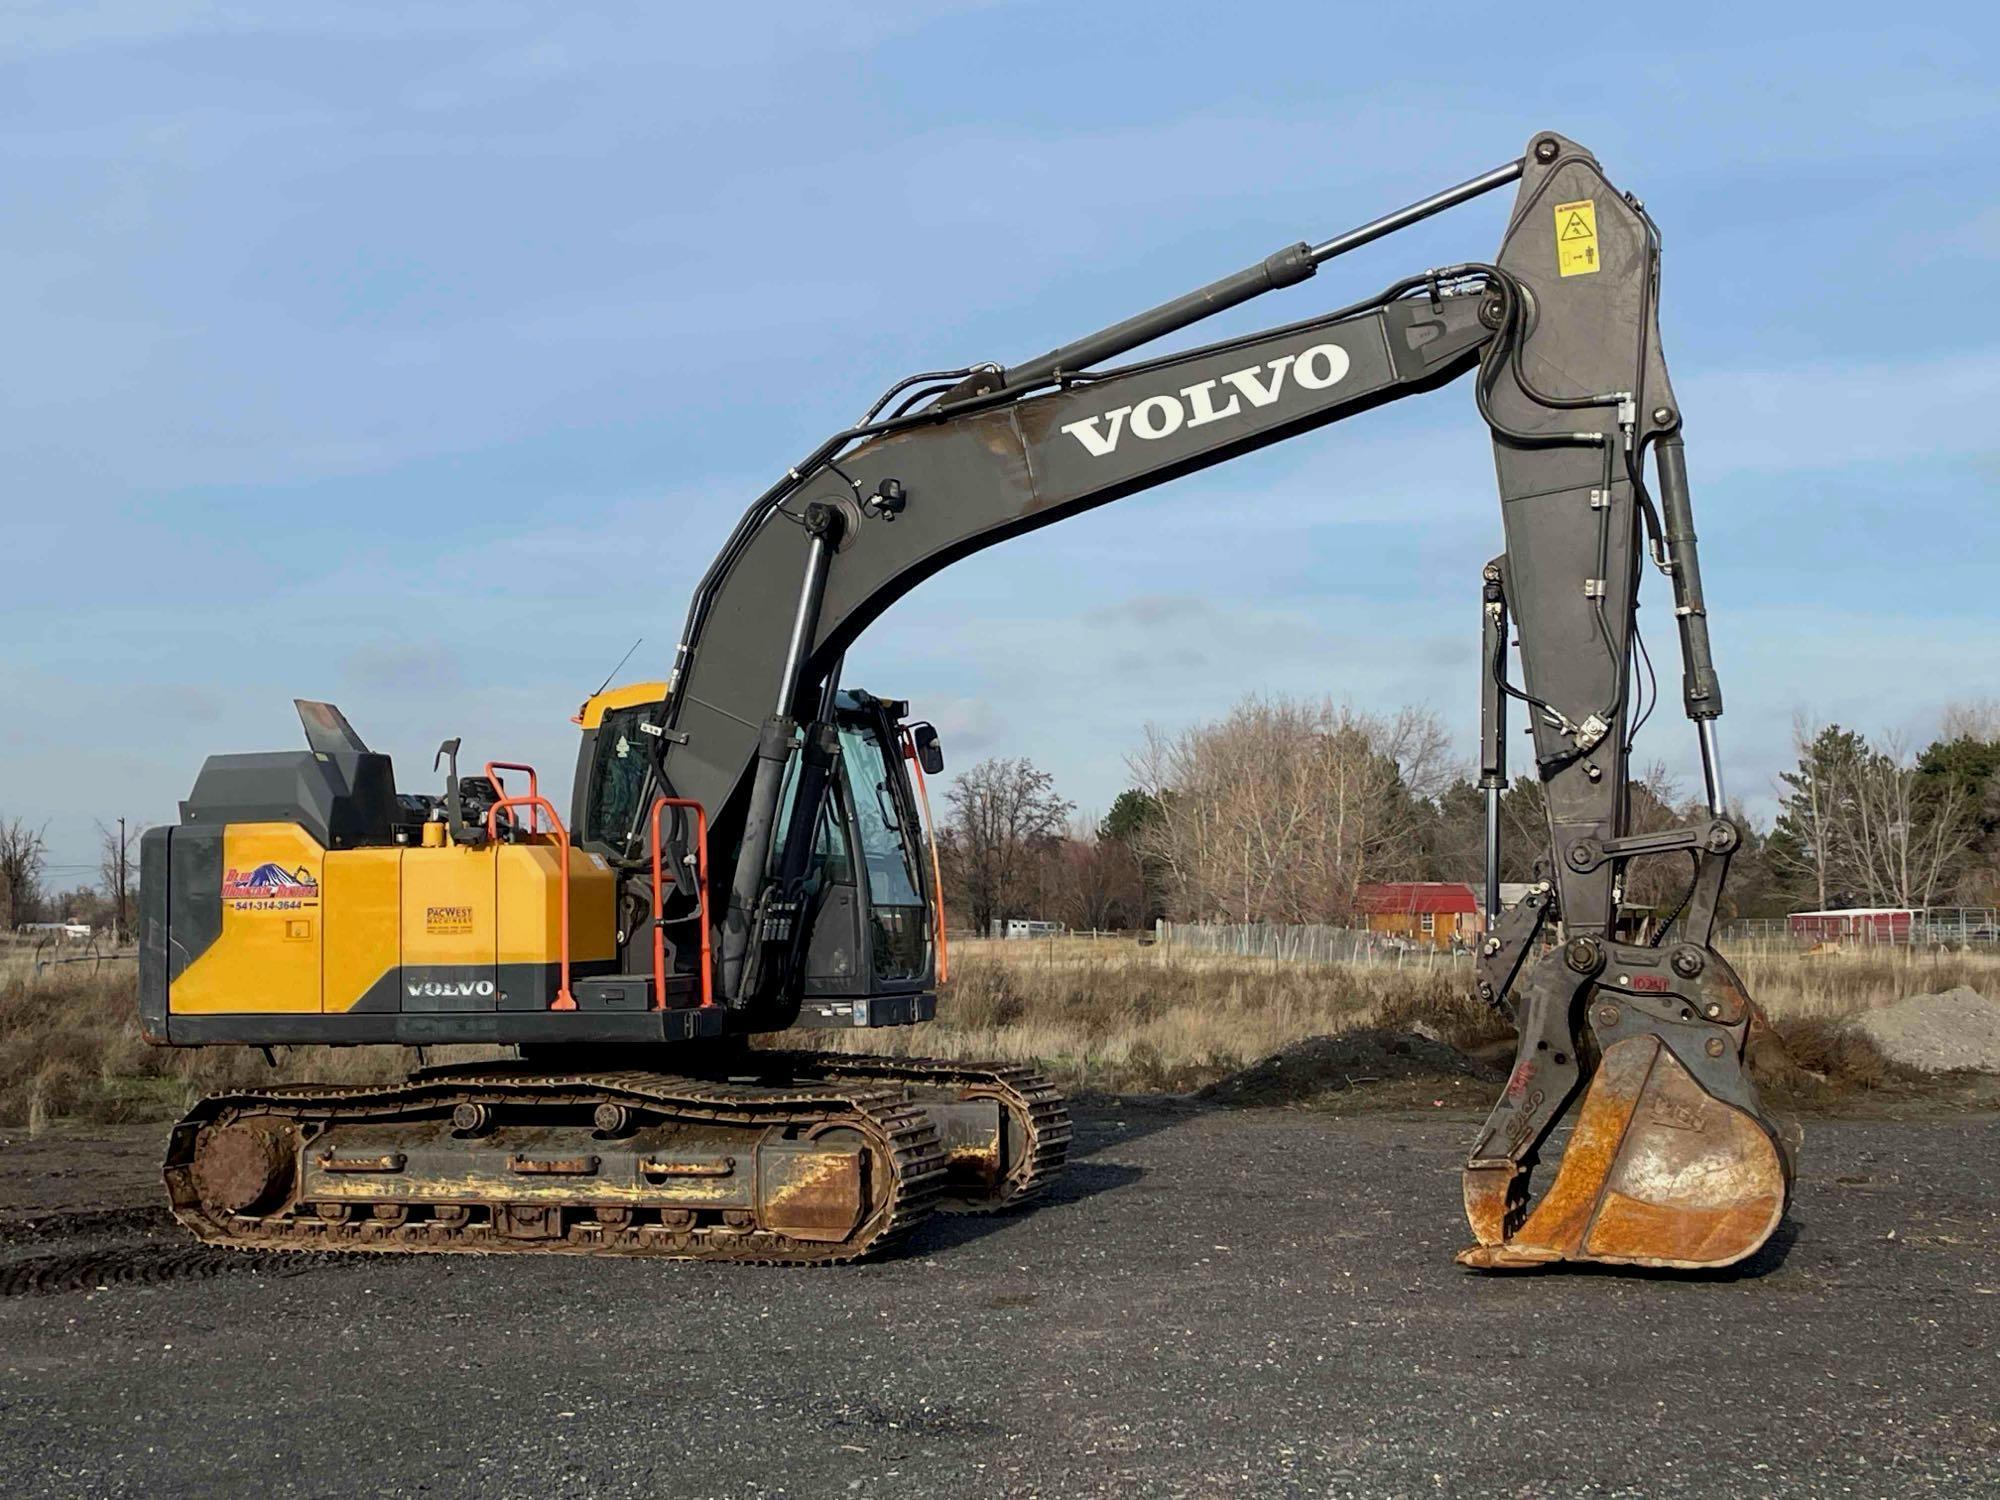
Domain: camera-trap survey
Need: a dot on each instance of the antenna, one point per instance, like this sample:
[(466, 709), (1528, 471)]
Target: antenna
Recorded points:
[(621, 662)]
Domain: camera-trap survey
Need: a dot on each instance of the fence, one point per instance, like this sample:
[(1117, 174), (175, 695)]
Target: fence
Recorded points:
[(958, 935), (1309, 944), (1933, 927), (1970, 927)]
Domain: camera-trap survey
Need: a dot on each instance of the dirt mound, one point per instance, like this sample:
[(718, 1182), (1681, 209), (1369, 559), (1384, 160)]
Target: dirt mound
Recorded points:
[(1939, 1033), (1322, 1065)]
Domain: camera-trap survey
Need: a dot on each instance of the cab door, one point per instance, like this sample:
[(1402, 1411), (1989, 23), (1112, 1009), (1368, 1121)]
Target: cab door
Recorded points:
[(888, 845)]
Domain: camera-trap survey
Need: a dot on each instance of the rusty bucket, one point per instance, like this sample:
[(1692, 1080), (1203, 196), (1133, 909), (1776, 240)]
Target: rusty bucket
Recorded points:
[(1658, 1172)]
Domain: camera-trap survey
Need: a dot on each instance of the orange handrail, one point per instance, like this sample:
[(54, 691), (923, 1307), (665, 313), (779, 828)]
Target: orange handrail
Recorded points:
[(493, 770), (930, 837), (660, 805), (564, 1000)]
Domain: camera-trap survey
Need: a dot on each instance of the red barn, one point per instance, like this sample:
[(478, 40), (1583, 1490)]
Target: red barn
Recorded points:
[(1435, 913)]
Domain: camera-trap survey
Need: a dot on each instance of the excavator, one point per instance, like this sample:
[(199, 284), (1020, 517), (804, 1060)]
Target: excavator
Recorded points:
[(745, 849)]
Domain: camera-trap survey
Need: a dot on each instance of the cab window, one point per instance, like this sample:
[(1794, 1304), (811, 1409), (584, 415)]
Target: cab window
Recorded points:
[(830, 861), (886, 848), (617, 775)]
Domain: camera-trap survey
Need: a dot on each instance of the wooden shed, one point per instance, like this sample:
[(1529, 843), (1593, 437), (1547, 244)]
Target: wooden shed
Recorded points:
[(1429, 913)]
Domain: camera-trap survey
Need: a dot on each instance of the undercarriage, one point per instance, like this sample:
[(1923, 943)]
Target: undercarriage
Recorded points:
[(782, 1157)]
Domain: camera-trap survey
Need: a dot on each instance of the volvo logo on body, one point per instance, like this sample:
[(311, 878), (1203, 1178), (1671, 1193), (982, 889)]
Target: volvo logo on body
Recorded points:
[(1226, 396), (433, 989)]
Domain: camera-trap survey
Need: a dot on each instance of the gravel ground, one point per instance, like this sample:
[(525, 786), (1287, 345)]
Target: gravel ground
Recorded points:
[(1214, 1302)]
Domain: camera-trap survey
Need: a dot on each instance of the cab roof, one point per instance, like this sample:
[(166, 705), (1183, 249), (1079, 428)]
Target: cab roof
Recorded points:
[(629, 695)]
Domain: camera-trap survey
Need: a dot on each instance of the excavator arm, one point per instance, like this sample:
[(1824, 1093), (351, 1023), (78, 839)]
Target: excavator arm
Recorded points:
[(1672, 1161)]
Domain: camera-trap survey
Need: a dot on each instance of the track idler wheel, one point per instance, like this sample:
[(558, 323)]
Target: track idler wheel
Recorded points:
[(244, 1166), (1658, 1172)]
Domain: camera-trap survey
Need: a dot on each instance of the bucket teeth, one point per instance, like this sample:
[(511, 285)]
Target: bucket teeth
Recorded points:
[(1658, 1172)]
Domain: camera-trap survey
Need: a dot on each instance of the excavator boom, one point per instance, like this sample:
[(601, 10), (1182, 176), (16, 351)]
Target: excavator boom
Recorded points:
[(1561, 333)]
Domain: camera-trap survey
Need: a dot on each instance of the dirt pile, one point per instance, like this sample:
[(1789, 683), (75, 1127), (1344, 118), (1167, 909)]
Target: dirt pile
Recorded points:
[(1323, 1065), (1959, 1029)]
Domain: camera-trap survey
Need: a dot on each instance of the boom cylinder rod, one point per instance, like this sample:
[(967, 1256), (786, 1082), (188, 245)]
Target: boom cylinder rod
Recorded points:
[(1492, 857), (1289, 266), (1711, 770), (805, 622), (1402, 218)]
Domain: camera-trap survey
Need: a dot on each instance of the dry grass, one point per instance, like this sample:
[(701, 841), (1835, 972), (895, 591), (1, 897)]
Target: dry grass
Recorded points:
[(1836, 985), (1119, 1017), (70, 1048), (1114, 1015), (1108, 1016)]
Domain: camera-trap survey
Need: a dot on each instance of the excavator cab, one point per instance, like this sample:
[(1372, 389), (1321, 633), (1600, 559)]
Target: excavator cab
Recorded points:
[(867, 893), (612, 765), (866, 886)]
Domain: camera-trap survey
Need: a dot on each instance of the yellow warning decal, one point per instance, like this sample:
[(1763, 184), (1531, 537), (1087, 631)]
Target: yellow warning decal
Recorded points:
[(1576, 237)]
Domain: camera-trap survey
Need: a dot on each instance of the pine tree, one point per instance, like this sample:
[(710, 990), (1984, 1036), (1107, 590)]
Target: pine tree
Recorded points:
[(1805, 842)]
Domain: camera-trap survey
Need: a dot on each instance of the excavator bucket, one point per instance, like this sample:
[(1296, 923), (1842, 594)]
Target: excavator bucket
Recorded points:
[(1658, 1172)]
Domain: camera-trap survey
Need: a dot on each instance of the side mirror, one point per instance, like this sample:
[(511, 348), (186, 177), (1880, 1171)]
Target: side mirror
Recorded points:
[(930, 755)]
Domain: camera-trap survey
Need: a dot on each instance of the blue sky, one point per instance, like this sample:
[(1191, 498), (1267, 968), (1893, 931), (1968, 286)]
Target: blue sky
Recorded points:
[(418, 356)]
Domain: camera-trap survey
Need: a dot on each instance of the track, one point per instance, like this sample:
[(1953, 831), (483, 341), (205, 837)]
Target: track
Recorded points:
[(559, 1207), (796, 1158)]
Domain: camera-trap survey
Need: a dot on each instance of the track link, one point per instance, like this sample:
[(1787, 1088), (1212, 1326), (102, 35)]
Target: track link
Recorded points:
[(1038, 1115), (905, 1171)]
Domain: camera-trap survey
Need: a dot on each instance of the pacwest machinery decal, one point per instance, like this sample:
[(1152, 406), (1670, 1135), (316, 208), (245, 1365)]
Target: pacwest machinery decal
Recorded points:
[(1226, 396), (448, 921), (270, 887)]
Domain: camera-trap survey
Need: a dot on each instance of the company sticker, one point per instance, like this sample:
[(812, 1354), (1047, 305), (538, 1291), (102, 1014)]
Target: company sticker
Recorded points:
[(1576, 238), (269, 887), (448, 921)]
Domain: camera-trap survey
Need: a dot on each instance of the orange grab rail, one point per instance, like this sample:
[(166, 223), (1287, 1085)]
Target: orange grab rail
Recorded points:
[(660, 805), (564, 1000), (930, 837), (493, 770)]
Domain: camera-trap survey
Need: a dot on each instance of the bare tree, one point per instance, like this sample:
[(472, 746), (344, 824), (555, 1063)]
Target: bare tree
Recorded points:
[(1004, 816), (1279, 812), (24, 851), (1971, 719), (1094, 882), (1869, 824), (1899, 839), (118, 869)]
